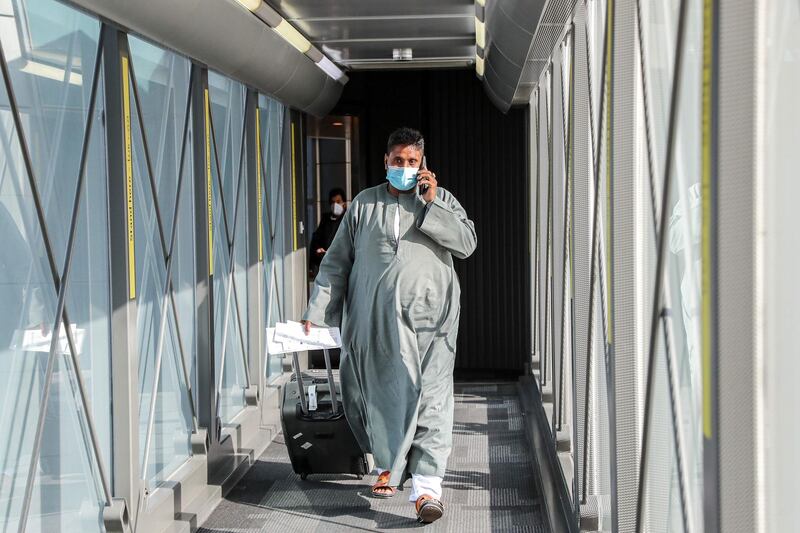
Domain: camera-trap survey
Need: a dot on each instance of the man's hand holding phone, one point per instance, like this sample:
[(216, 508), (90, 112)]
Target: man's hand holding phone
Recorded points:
[(426, 182)]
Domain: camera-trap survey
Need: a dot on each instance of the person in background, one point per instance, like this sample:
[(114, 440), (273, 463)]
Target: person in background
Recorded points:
[(326, 231), (388, 279)]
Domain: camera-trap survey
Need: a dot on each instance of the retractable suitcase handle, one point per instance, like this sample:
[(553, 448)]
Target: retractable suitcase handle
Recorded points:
[(302, 392), (299, 377), (331, 383)]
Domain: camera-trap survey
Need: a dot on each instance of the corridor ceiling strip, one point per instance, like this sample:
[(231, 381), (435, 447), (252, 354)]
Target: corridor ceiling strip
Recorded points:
[(126, 110)]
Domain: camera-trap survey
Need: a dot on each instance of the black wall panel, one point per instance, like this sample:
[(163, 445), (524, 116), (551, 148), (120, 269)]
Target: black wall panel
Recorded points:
[(479, 154)]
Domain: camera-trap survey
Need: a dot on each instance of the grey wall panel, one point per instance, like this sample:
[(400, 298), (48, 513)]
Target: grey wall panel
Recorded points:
[(224, 36)]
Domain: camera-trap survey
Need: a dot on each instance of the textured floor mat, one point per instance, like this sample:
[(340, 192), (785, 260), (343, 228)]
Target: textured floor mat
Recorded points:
[(489, 484)]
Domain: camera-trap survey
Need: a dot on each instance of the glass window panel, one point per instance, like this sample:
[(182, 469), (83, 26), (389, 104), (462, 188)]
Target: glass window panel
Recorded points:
[(169, 445), (227, 112), (596, 27), (659, 33), (51, 50), (28, 301), (170, 441), (88, 288), (183, 269), (683, 265), (162, 80), (662, 511), (227, 100), (273, 216), (67, 495)]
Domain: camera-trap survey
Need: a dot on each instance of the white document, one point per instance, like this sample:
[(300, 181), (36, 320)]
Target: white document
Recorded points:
[(280, 347), (317, 338), (34, 341)]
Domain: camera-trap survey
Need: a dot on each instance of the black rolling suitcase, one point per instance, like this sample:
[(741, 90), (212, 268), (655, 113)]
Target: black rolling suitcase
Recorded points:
[(318, 437)]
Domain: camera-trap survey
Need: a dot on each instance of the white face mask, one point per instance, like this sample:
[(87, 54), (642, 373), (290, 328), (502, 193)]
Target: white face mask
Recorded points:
[(337, 209)]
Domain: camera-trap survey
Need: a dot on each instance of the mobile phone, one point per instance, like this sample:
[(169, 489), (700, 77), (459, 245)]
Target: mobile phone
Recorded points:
[(423, 188)]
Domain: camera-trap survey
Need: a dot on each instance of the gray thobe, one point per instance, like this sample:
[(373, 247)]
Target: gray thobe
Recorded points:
[(397, 301)]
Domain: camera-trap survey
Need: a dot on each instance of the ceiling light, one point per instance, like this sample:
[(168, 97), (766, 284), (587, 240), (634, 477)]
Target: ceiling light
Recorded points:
[(338, 124), (330, 68), (479, 65), (402, 54), (293, 37), (480, 33), (252, 5), (480, 2)]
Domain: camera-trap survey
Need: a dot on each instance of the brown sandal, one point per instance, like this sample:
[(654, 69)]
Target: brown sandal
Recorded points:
[(379, 488), (429, 509)]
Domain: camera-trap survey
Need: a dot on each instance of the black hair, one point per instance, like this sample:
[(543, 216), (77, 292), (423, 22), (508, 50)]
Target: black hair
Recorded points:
[(405, 137), (336, 191)]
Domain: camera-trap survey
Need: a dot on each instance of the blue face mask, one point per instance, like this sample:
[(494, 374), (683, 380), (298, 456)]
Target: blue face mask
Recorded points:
[(402, 178)]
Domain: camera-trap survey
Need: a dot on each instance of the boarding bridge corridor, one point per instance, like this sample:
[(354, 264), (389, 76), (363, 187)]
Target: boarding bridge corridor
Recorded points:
[(626, 358)]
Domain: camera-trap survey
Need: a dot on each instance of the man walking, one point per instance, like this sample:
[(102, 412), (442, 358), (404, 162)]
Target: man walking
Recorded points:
[(388, 279)]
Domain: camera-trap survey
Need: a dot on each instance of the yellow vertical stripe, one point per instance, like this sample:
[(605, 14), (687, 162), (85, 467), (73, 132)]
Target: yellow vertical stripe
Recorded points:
[(708, 57), (294, 194), (126, 112), (208, 186), (259, 198)]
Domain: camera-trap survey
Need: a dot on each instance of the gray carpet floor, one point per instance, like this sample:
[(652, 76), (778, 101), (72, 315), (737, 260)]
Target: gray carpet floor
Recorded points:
[(489, 485)]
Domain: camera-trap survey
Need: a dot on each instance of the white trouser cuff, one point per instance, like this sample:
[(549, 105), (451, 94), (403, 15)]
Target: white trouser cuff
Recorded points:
[(430, 485)]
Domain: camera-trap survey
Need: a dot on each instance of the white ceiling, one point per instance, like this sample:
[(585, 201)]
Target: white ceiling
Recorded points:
[(361, 34)]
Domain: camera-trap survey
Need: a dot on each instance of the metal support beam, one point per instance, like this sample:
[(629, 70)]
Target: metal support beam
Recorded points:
[(255, 243), (125, 362), (204, 275)]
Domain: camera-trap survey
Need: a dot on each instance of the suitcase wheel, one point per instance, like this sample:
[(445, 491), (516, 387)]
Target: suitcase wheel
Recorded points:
[(303, 476)]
